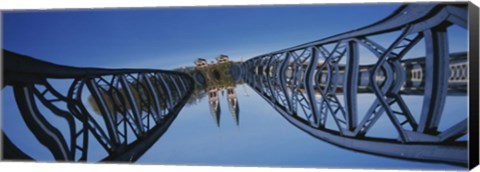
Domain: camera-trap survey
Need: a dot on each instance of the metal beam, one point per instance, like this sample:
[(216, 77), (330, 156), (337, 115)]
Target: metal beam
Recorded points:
[(436, 79)]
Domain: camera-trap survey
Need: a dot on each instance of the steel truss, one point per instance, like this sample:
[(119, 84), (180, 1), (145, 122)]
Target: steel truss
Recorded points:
[(289, 80), (135, 106)]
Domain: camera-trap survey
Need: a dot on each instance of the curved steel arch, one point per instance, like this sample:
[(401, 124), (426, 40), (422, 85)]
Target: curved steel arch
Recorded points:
[(322, 77), (135, 107)]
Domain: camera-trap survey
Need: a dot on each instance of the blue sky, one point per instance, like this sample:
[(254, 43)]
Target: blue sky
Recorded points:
[(167, 37)]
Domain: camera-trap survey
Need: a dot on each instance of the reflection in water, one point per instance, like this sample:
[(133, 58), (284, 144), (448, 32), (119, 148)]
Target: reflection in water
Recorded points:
[(216, 78)]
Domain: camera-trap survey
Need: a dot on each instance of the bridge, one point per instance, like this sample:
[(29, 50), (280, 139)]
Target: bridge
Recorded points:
[(307, 84), (413, 84), (136, 107), (289, 79)]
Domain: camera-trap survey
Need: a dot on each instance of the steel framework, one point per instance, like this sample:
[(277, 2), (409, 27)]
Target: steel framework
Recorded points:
[(135, 107), (290, 78)]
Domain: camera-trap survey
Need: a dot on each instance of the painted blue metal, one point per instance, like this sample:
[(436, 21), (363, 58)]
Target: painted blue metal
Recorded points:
[(323, 79), (132, 113)]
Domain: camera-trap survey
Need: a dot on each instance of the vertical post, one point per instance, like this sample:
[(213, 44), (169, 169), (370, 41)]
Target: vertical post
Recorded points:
[(350, 84), (46, 133), (283, 80), (155, 99), (166, 87), (177, 88), (436, 79), (133, 104), (309, 84), (107, 115), (269, 77)]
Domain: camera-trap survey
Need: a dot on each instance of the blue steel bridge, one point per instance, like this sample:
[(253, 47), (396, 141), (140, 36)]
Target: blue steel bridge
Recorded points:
[(315, 86)]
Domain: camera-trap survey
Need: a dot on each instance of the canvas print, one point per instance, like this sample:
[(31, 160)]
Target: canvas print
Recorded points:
[(378, 85)]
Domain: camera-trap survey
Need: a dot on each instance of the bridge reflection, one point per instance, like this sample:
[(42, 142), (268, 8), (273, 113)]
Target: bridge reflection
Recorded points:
[(316, 81)]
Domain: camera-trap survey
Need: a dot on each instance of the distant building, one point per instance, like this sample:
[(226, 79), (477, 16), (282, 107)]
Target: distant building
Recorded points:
[(201, 63), (216, 87), (233, 103), (214, 105)]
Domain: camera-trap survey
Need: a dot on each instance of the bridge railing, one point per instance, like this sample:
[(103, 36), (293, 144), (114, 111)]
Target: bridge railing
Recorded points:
[(320, 80), (118, 113)]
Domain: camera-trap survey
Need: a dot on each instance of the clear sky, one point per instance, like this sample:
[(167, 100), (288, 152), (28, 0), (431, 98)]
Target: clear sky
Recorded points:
[(170, 37)]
